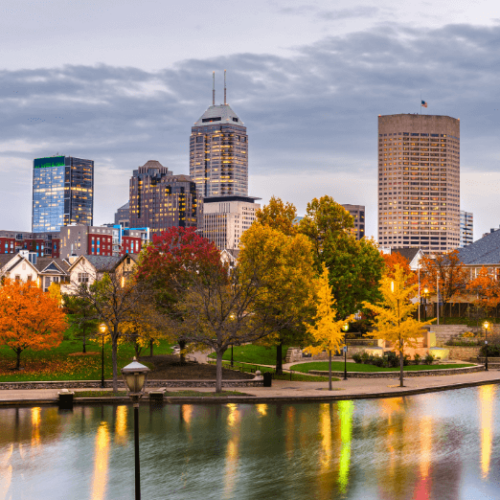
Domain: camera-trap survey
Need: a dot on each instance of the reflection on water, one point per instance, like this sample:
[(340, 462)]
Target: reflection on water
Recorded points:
[(437, 446)]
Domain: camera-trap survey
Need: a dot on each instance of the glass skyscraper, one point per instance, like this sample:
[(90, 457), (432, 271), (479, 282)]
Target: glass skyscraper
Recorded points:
[(63, 193)]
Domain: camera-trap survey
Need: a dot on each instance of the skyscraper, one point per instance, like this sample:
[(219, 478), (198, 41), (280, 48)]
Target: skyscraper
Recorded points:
[(159, 199), (419, 182), (63, 193), (218, 152), (358, 214), (466, 228)]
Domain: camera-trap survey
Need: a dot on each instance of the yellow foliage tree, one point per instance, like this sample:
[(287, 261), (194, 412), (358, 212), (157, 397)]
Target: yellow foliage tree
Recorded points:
[(326, 330), (393, 321)]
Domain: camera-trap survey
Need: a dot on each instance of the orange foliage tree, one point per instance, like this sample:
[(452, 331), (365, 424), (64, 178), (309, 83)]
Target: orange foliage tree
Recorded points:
[(451, 272), (29, 318), (396, 259), (485, 289)]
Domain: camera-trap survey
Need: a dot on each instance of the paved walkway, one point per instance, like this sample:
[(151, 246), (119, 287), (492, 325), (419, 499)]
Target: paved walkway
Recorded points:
[(283, 389)]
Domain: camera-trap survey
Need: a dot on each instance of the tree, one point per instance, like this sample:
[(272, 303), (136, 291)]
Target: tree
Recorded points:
[(326, 329), (221, 309), (324, 218), (171, 263), (81, 316), (29, 318), (355, 269), (394, 321), (485, 289), (278, 215), (283, 266), (451, 273)]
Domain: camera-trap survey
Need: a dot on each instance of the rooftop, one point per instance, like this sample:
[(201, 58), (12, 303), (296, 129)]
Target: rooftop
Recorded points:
[(220, 113), (483, 251)]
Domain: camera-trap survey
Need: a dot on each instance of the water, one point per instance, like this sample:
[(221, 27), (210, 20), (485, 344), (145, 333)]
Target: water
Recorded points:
[(436, 446)]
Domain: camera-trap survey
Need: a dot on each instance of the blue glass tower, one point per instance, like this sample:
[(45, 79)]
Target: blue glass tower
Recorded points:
[(63, 193)]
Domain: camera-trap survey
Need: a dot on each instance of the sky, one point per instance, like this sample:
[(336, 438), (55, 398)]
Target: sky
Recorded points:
[(122, 82)]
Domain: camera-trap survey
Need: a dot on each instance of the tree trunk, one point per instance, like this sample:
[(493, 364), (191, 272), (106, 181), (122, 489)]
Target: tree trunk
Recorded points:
[(84, 342), (218, 372), (18, 359), (401, 363), (279, 358), (115, 361), (329, 370), (182, 345), (151, 348)]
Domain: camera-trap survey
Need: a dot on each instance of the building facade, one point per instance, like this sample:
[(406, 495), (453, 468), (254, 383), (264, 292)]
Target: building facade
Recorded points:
[(419, 182), (63, 193), (122, 215), (42, 244), (466, 228), (226, 218), (160, 200), (358, 214), (218, 153)]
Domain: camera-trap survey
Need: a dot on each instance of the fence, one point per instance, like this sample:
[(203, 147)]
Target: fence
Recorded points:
[(458, 310)]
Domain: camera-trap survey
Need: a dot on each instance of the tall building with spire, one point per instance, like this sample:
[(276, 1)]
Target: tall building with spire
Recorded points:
[(218, 152)]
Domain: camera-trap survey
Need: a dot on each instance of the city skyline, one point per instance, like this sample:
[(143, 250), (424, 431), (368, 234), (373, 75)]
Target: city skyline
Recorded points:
[(310, 135)]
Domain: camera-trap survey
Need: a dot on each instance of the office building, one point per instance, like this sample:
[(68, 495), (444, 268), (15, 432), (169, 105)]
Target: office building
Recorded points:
[(63, 193), (358, 214), (159, 199), (41, 244), (218, 152), (419, 182), (466, 228), (226, 218), (122, 215)]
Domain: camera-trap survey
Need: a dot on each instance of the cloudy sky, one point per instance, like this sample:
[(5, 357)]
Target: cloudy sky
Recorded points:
[(121, 82)]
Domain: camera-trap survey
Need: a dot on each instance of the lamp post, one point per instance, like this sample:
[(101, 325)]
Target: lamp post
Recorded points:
[(102, 327), (426, 292), (345, 328), (419, 296), (486, 326), (232, 355), (135, 376)]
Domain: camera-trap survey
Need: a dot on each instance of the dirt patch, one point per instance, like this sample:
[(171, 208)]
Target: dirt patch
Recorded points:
[(168, 368), (90, 353)]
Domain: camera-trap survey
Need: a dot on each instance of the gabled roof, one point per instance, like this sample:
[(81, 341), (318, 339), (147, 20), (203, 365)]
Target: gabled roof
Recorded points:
[(15, 262), (103, 263), (482, 252), (220, 113), (48, 264), (407, 253), (6, 258)]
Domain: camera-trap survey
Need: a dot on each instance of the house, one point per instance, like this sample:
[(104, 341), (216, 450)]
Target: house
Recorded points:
[(17, 267), (51, 271), (88, 268), (483, 252), (413, 255)]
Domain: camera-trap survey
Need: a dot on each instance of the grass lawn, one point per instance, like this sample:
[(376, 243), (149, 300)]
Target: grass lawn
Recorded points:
[(250, 353), (67, 362), (357, 367)]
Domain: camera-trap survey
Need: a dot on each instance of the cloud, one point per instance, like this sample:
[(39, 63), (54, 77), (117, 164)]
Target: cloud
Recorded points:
[(311, 113)]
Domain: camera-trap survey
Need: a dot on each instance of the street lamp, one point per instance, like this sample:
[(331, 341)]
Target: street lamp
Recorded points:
[(135, 376), (102, 327), (345, 328), (426, 293), (486, 326)]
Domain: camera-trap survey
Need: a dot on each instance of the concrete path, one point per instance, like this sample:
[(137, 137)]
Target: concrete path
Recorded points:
[(283, 389)]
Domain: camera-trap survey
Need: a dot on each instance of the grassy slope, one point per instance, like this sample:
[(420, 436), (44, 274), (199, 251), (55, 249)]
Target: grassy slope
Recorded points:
[(257, 354), (355, 367)]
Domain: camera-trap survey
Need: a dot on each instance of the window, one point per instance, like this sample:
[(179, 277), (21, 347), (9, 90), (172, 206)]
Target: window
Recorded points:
[(83, 278)]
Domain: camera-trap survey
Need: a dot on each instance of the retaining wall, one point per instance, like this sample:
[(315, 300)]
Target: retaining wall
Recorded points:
[(395, 374)]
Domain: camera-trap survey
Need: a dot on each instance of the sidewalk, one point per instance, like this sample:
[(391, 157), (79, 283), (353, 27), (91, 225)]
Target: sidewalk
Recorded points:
[(283, 390)]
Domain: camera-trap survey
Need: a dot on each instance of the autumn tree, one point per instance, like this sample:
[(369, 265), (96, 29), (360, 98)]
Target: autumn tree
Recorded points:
[(325, 329), (170, 264), (325, 218), (449, 271), (485, 290), (29, 318), (278, 215), (394, 320)]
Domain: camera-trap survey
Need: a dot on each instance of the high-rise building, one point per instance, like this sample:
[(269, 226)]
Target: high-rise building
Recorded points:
[(226, 218), (122, 215), (419, 182), (63, 193), (159, 199), (466, 228), (358, 214), (218, 152)]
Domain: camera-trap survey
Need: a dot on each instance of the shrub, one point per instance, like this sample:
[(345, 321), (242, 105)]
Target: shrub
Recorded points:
[(493, 350), (378, 361), (392, 359), (429, 359), (365, 358), (406, 360), (357, 358), (417, 359), (468, 335)]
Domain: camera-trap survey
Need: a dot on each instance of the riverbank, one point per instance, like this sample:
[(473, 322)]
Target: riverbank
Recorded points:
[(284, 391)]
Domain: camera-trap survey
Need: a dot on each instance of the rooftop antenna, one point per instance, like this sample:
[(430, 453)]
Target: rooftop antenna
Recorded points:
[(224, 87), (213, 89)]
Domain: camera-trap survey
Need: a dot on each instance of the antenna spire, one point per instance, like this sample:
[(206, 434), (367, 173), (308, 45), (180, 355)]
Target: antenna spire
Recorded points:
[(224, 87), (213, 88)]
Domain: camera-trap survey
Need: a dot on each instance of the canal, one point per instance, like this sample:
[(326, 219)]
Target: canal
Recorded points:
[(434, 446)]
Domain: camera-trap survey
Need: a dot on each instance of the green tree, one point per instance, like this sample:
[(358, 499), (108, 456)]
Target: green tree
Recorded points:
[(283, 265), (394, 320), (81, 316), (326, 330)]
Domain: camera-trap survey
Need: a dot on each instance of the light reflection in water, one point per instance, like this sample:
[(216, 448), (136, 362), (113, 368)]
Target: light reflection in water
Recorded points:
[(101, 457), (6, 473), (121, 425), (423, 486), (35, 426), (346, 409), (290, 430), (233, 421), (486, 398), (262, 409)]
